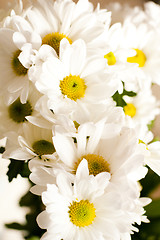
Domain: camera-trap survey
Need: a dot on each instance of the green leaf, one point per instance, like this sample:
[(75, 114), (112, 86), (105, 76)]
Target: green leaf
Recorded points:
[(118, 98), (17, 167)]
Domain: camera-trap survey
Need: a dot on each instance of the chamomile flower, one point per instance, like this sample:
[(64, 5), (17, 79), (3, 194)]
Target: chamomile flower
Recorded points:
[(119, 155), (35, 144), (75, 78), (14, 79), (83, 207), (116, 57), (54, 21), (141, 109), (140, 38), (13, 116)]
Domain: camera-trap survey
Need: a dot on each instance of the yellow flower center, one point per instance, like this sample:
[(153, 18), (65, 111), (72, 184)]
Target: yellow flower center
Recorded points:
[(139, 58), (73, 87), (17, 67), (43, 147), (96, 164), (111, 58), (82, 213), (130, 110), (53, 39)]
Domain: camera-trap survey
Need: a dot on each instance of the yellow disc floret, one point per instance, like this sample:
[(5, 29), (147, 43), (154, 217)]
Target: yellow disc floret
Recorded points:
[(96, 164), (17, 67), (130, 110), (82, 213), (139, 58), (73, 87), (111, 58), (53, 39)]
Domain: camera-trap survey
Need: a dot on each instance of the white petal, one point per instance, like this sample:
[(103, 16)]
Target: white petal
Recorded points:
[(65, 148)]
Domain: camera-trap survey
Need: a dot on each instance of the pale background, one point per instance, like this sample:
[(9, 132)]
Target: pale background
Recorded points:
[(10, 193)]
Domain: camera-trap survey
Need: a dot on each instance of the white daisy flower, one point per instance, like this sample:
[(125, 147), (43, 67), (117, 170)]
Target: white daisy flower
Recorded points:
[(116, 57), (140, 38), (75, 78), (54, 21), (16, 40), (141, 109), (119, 154), (83, 208), (13, 116), (34, 143)]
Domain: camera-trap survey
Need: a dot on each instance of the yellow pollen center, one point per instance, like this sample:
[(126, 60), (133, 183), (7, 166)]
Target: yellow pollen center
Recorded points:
[(96, 164), (130, 110), (73, 87), (111, 58), (82, 213), (53, 39), (139, 58), (17, 67)]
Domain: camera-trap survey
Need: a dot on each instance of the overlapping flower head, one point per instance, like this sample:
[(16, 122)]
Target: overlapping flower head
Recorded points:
[(76, 94)]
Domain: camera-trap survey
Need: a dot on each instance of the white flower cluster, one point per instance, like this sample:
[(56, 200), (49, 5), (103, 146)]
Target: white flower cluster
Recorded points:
[(76, 102)]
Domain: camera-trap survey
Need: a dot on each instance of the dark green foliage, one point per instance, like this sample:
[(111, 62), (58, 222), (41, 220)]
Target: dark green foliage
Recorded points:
[(150, 231), (118, 98), (2, 149), (17, 167), (30, 229)]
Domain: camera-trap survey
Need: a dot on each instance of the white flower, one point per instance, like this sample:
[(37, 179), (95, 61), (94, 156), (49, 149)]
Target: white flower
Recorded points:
[(141, 109), (35, 144), (74, 78), (83, 208), (13, 116), (120, 154), (15, 44), (54, 21), (140, 38), (116, 57)]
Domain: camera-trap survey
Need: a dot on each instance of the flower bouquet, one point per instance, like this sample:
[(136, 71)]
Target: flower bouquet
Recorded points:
[(77, 110)]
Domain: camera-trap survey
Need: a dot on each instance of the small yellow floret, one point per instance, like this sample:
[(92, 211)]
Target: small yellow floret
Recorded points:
[(130, 110), (111, 58), (139, 58), (96, 164), (82, 213), (73, 87), (53, 39)]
